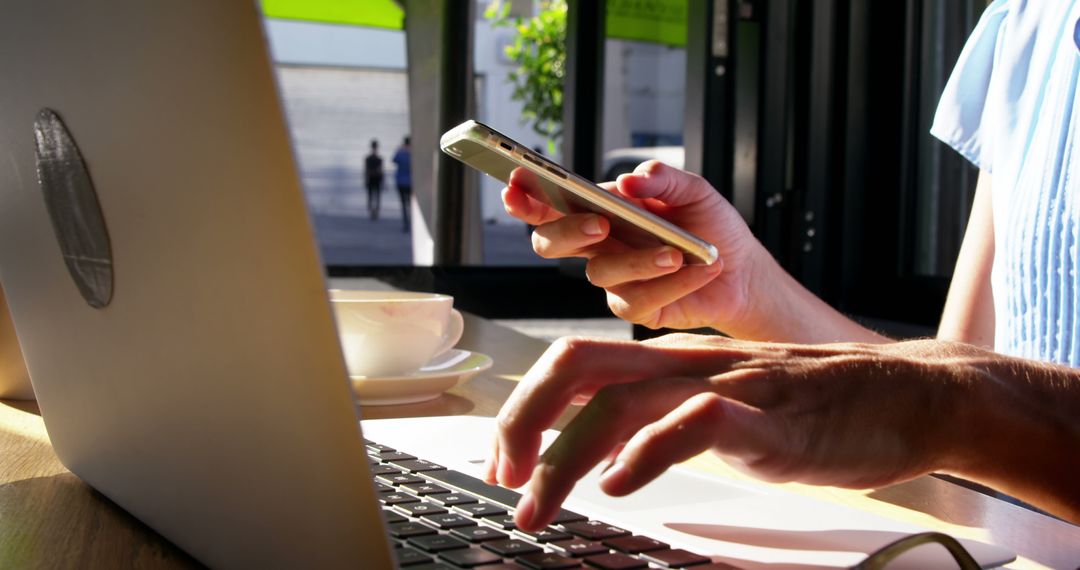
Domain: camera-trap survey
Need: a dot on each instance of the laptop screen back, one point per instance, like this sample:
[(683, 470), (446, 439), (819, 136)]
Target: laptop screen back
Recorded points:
[(208, 396)]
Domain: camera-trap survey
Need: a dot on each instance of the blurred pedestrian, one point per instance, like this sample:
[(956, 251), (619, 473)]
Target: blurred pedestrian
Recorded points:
[(373, 173), (403, 181)]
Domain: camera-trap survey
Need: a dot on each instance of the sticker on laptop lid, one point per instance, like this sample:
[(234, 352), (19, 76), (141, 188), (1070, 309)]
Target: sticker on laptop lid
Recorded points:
[(74, 210)]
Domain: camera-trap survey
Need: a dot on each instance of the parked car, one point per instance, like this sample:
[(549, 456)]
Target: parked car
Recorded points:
[(623, 160)]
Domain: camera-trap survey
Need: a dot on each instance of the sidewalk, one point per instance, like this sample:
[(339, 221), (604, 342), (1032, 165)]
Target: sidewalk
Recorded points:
[(347, 236)]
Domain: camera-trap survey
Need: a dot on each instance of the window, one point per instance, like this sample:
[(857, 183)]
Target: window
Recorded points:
[(506, 241), (344, 87), (644, 85)]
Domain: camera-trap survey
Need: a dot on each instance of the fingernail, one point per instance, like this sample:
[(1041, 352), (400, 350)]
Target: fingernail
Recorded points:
[(614, 477), (591, 226), (525, 511), (489, 470), (666, 258)]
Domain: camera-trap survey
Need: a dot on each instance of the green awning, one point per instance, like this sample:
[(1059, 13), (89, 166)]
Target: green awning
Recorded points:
[(656, 21), (370, 13)]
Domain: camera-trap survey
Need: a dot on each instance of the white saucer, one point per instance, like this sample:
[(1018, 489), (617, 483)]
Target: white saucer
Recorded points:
[(438, 376)]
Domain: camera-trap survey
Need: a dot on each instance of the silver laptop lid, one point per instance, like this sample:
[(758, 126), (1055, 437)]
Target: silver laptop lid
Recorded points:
[(180, 341)]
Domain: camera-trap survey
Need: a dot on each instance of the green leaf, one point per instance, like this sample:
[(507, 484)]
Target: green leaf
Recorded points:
[(539, 52)]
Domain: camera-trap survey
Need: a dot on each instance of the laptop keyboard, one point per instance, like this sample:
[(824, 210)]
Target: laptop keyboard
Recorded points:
[(444, 519)]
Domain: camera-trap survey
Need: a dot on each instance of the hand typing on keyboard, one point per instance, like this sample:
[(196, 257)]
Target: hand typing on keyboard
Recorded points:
[(441, 519), (850, 415)]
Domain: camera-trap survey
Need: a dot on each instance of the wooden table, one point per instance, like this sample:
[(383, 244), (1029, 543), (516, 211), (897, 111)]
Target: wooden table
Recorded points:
[(50, 519)]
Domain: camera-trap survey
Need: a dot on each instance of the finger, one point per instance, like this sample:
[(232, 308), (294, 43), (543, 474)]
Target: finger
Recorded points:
[(571, 366), (576, 235), (655, 181), (530, 184), (519, 204), (633, 265), (492, 463), (642, 302), (738, 369), (753, 384), (616, 413), (703, 422)]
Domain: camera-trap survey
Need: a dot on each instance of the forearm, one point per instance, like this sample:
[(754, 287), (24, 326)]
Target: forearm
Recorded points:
[(1021, 432), (782, 310), (969, 308)]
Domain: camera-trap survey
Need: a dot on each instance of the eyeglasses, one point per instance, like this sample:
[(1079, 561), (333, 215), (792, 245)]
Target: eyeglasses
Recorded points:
[(886, 554)]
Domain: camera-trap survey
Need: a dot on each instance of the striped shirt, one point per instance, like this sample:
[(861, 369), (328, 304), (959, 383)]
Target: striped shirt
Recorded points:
[(1011, 108)]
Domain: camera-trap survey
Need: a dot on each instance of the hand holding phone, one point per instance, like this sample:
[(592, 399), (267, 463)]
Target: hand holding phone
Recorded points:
[(497, 155)]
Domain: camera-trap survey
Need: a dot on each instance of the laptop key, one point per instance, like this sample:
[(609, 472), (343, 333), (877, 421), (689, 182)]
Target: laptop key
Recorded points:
[(566, 516), (417, 465), (676, 558), (384, 469), (391, 517), (478, 534), (447, 521), (503, 521), (381, 488), (378, 447), (423, 489), (410, 529), (579, 547), (545, 535), (397, 498), (547, 561), (420, 509), (595, 530), (395, 456), (482, 509), (470, 557), (493, 493), (410, 557), (453, 499), (437, 542), (511, 547), (635, 544), (399, 478), (615, 561), (468, 483)]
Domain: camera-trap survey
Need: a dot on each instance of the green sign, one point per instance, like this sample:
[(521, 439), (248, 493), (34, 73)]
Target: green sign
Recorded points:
[(371, 13), (656, 21)]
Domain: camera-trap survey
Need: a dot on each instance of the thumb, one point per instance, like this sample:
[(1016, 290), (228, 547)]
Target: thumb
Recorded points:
[(672, 186)]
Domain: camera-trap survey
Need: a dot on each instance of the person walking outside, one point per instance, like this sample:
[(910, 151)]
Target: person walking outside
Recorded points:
[(403, 181), (373, 173)]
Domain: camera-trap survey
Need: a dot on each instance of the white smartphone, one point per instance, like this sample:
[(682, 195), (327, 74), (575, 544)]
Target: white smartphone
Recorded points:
[(497, 155)]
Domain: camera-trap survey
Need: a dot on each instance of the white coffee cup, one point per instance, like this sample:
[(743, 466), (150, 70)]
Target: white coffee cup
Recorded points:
[(394, 333)]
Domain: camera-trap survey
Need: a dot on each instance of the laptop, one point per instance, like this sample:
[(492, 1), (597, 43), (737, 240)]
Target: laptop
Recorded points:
[(166, 290)]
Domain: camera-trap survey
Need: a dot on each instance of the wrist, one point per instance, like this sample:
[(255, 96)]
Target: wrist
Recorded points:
[(1009, 429), (764, 293), (779, 309), (1017, 431), (973, 423)]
